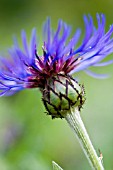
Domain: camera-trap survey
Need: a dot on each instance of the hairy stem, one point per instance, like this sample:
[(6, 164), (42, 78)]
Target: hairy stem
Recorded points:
[(76, 123)]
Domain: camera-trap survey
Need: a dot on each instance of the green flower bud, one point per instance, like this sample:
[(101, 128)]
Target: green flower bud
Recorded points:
[(60, 94)]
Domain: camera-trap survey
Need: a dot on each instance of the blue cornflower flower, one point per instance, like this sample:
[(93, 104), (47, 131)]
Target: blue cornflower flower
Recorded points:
[(26, 69)]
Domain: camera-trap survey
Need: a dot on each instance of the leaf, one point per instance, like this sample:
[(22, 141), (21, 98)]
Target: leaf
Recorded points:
[(56, 166)]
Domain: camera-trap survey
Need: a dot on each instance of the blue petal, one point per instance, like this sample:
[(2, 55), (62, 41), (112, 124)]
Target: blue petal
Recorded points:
[(33, 43), (98, 76), (103, 64), (24, 41)]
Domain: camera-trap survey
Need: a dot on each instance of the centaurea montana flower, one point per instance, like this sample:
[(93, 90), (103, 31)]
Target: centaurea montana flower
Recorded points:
[(26, 69)]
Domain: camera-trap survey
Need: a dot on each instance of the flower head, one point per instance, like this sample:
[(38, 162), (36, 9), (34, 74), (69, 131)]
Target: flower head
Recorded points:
[(26, 69)]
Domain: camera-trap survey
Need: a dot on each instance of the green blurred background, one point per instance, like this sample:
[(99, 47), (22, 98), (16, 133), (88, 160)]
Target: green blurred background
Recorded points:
[(30, 140)]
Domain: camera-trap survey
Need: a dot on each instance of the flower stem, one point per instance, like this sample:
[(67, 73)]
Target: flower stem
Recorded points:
[(76, 123)]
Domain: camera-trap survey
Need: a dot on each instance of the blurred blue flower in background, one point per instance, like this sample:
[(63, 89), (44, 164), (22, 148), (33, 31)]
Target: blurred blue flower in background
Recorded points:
[(24, 68)]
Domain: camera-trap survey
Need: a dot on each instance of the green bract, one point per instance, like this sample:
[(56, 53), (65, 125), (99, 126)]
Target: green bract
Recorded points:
[(62, 92)]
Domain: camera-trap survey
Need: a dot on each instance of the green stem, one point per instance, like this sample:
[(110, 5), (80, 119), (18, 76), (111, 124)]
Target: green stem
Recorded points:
[(76, 123)]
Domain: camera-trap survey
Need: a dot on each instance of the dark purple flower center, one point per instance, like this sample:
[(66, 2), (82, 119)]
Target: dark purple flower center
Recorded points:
[(46, 69)]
